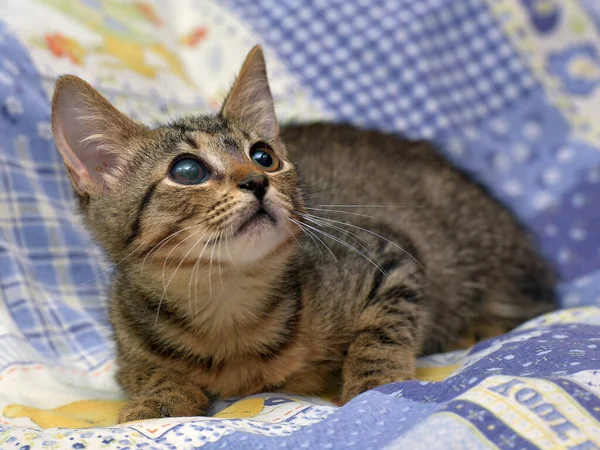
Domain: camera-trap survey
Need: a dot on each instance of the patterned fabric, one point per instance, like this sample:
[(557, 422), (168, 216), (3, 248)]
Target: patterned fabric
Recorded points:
[(509, 88)]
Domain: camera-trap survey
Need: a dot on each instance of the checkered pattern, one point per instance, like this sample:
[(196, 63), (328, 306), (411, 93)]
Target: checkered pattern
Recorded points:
[(446, 69), (51, 282), (419, 67)]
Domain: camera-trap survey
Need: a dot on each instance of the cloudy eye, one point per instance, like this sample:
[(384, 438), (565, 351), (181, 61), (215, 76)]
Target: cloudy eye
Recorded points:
[(264, 157), (188, 171)]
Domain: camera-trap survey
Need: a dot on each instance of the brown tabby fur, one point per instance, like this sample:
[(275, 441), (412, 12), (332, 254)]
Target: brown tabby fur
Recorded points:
[(200, 311)]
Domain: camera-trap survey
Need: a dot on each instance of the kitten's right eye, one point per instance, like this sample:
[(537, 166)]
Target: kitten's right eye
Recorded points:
[(188, 171)]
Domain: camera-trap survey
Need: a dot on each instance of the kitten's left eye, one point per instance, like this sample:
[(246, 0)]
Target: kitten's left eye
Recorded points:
[(264, 157), (188, 171)]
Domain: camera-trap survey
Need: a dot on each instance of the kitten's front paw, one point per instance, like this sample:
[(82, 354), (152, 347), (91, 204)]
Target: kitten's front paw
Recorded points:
[(356, 386), (146, 408)]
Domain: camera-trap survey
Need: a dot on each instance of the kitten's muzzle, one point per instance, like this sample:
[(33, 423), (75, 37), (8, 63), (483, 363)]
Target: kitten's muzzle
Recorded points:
[(257, 184), (257, 216)]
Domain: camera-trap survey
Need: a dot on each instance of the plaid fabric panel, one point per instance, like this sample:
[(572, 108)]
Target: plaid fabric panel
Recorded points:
[(51, 276)]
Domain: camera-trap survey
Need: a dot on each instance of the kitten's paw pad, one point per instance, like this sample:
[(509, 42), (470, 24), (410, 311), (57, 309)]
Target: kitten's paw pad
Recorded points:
[(151, 408), (353, 388)]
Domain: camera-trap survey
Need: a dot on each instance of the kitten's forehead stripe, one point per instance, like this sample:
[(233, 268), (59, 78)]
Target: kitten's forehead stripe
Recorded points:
[(135, 229), (190, 141), (190, 131), (206, 124), (230, 144), (182, 127)]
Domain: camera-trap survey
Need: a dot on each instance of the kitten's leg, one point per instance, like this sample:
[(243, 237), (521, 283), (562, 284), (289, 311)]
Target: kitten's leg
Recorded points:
[(163, 394), (387, 340)]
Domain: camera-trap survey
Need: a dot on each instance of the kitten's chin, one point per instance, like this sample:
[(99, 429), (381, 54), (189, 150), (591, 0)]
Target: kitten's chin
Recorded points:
[(256, 240), (259, 223), (257, 234)]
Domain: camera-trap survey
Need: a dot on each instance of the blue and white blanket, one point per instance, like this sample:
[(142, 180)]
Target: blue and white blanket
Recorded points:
[(509, 88)]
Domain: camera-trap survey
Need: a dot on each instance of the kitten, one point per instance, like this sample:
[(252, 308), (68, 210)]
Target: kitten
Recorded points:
[(256, 258)]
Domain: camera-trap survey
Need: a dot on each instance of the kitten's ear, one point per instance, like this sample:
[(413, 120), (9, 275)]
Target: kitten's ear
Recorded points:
[(89, 132), (250, 100)]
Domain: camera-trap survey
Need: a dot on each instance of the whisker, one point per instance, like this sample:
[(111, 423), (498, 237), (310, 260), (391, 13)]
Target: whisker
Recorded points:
[(354, 237), (237, 244), (111, 267), (335, 175), (189, 290), (171, 252), (292, 234), (173, 274), (345, 244), (304, 231), (163, 242), (230, 233), (219, 258), (311, 234), (370, 232), (197, 268), (132, 252), (372, 206), (210, 267), (312, 194), (190, 283), (337, 211)]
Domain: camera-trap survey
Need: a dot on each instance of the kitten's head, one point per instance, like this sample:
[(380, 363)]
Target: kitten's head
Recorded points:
[(191, 186)]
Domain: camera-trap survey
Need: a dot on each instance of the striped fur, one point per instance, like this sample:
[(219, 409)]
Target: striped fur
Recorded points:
[(211, 301)]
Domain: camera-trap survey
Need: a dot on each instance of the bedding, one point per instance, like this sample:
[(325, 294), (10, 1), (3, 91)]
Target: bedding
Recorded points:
[(510, 89)]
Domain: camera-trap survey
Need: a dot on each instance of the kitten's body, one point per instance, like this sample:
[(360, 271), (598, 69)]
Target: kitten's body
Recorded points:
[(211, 313)]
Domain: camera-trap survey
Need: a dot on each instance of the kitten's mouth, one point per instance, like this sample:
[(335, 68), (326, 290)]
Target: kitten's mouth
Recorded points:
[(260, 218)]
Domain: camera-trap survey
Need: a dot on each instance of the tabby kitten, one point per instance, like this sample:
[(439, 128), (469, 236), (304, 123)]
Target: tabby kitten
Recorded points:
[(255, 257)]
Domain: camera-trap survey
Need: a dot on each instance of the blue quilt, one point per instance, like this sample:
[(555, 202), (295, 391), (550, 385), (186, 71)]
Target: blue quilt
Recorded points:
[(510, 89)]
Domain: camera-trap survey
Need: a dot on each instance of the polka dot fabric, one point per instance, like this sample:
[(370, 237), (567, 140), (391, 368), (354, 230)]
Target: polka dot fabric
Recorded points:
[(451, 71), (532, 162), (421, 67)]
